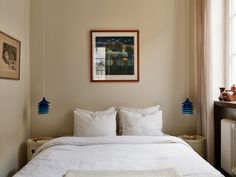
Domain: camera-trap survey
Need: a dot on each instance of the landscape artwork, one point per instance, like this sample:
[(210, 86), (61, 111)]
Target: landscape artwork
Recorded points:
[(114, 55)]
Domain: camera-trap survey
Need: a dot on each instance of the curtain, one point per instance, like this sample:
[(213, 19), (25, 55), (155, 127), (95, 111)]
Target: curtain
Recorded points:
[(205, 101)]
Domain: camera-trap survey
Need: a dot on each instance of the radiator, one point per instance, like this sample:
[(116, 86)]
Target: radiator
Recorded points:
[(228, 146)]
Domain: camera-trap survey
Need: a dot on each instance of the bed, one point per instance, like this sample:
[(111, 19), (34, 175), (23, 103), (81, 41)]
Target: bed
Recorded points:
[(118, 153)]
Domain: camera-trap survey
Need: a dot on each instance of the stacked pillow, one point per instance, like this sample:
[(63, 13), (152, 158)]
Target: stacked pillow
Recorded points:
[(131, 121)]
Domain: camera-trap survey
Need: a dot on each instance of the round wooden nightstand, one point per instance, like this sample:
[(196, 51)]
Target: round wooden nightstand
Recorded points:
[(197, 144), (34, 143)]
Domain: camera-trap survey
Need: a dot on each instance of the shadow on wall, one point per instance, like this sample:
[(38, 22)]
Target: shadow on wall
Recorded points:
[(11, 173), (22, 154), (22, 159), (69, 116)]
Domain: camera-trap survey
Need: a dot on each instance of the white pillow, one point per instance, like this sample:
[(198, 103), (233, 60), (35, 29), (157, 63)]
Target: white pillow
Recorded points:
[(144, 111), (106, 111), (100, 123), (134, 123), (148, 110)]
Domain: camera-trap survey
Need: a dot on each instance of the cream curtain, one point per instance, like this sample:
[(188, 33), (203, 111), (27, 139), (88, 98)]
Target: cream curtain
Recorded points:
[(205, 101)]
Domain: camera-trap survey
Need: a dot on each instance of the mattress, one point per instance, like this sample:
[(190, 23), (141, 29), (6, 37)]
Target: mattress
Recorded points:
[(120, 153)]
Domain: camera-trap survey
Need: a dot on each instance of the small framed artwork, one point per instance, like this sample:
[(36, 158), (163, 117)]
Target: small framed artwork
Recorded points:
[(9, 57), (114, 55)]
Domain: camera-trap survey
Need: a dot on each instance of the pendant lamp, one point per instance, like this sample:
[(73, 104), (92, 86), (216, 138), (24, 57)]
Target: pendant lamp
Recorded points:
[(43, 105), (187, 105)]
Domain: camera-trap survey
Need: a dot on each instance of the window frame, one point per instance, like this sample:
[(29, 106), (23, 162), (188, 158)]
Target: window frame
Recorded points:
[(229, 43)]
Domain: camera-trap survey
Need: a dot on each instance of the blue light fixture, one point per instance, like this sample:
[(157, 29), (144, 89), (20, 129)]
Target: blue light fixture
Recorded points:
[(187, 107), (43, 106)]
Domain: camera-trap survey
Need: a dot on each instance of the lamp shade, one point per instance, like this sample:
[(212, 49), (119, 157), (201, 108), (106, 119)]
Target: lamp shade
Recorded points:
[(43, 106), (187, 107)]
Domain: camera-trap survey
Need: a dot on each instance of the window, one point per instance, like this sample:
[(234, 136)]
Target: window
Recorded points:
[(232, 42)]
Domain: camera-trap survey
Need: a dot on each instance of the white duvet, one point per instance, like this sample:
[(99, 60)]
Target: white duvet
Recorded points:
[(122, 153)]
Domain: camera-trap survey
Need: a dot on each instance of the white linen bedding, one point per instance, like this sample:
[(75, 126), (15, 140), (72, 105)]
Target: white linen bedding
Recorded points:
[(170, 172), (120, 153)]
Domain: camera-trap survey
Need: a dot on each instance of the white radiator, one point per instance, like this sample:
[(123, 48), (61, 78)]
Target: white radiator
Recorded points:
[(228, 146)]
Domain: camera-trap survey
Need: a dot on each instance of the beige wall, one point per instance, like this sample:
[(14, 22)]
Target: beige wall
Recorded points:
[(162, 25), (14, 95)]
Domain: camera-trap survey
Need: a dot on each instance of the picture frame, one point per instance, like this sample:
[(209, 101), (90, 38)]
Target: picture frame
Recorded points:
[(114, 55), (10, 49)]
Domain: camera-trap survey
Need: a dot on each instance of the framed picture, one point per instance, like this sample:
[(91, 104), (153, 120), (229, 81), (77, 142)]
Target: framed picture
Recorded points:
[(9, 57), (114, 55)]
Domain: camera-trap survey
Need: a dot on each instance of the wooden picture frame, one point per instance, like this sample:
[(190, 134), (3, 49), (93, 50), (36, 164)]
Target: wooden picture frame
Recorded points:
[(114, 55), (10, 49)]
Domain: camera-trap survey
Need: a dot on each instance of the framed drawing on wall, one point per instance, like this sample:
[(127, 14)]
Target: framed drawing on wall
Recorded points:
[(9, 57), (114, 55)]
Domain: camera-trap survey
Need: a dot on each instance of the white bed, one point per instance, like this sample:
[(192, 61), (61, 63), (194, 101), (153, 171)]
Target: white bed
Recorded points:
[(120, 153)]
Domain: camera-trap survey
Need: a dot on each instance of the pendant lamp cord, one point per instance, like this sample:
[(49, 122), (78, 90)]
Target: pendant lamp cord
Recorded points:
[(187, 45), (44, 49)]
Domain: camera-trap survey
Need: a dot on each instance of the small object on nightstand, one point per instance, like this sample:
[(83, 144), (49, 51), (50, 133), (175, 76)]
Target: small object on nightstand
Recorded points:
[(227, 95), (196, 142), (34, 143), (222, 89), (233, 89), (189, 137)]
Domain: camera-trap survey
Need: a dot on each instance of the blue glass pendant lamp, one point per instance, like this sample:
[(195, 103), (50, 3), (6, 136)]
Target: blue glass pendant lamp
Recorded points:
[(187, 105), (43, 105)]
